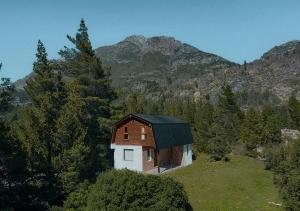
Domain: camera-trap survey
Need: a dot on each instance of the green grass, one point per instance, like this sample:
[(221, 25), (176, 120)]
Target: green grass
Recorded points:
[(241, 184)]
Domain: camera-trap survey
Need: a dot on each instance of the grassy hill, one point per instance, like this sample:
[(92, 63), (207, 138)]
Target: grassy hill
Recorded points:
[(241, 184)]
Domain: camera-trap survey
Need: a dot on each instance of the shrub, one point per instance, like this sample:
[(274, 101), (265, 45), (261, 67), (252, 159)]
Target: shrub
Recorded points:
[(284, 161), (127, 190)]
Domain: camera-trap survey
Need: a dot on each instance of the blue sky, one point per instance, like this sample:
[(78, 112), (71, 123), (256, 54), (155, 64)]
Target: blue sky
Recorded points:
[(237, 30)]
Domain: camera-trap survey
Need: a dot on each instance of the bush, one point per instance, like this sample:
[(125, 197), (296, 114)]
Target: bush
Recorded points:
[(127, 190), (77, 200), (284, 161)]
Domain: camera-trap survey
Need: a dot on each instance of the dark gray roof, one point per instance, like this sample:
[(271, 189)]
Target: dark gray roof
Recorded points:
[(168, 131), (159, 119)]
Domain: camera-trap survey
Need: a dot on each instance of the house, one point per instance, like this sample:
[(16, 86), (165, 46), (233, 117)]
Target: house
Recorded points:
[(147, 142)]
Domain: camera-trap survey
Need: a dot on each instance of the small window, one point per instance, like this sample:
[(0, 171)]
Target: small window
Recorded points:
[(126, 136), (128, 154), (149, 154), (143, 134)]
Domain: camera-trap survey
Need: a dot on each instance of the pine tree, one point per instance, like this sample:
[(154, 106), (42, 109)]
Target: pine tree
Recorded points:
[(173, 107), (135, 103), (218, 146), (70, 141), (271, 133), (13, 172), (203, 124), (294, 112), (7, 91), (245, 65), (188, 110), (96, 91), (251, 131), (228, 114), (35, 127), (226, 120)]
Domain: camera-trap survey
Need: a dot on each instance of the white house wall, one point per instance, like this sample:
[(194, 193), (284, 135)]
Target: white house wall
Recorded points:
[(119, 163), (187, 155)]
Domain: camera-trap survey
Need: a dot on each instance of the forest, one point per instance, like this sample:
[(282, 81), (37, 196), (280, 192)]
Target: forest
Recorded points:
[(55, 151)]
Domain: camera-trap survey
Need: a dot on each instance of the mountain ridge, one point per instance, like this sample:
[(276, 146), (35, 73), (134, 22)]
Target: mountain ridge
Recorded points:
[(163, 65)]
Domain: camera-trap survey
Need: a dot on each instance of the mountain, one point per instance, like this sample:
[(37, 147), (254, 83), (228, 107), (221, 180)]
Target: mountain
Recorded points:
[(162, 65), (137, 59), (278, 70)]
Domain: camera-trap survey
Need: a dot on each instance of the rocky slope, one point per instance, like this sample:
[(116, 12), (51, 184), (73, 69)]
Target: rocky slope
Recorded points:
[(164, 66), (138, 61)]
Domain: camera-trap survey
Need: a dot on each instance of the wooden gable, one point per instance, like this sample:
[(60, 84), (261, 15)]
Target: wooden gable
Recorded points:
[(133, 128)]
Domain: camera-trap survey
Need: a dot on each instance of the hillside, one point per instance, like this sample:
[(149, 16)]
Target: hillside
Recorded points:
[(165, 66), (159, 64), (138, 59), (241, 184)]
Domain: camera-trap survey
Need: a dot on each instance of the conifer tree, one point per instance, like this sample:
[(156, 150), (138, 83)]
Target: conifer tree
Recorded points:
[(271, 133), (95, 89), (219, 145), (294, 112), (135, 103), (226, 120), (13, 172), (188, 110), (251, 131), (6, 94), (36, 125), (71, 155), (173, 107), (228, 114), (203, 124)]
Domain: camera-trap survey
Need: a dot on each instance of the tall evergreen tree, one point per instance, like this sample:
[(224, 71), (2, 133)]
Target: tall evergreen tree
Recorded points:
[(96, 91), (219, 145), (173, 107), (135, 103), (71, 149), (271, 133), (251, 131), (226, 120), (228, 114), (294, 112), (203, 124), (6, 94), (36, 126), (188, 110), (12, 161)]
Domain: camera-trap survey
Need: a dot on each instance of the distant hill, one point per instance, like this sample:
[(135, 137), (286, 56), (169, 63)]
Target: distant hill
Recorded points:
[(165, 66)]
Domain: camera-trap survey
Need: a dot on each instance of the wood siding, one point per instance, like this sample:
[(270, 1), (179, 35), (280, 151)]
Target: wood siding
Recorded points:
[(134, 129), (177, 155), (171, 156)]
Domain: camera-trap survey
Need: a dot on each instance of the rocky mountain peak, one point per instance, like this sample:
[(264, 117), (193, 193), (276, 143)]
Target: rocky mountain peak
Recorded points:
[(166, 45), (136, 39), (286, 49)]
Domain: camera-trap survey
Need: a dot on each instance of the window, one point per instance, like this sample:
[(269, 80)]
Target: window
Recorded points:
[(149, 154), (143, 134), (128, 154), (126, 133)]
